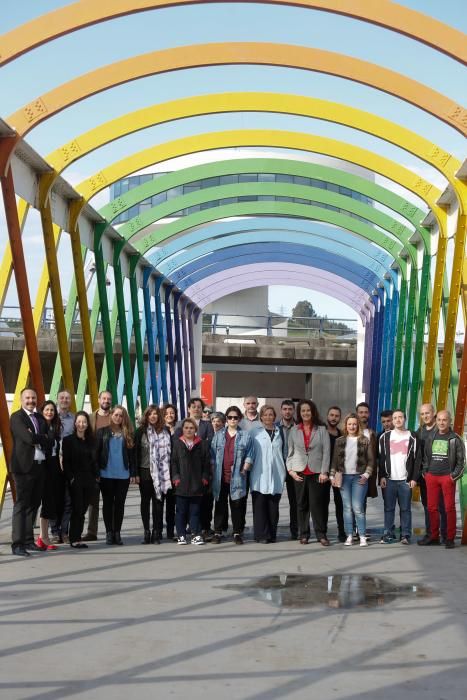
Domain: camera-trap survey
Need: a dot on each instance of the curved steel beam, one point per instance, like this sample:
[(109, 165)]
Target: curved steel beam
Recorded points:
[(273, 252), (248, 276), (78, 15), (215, 236), (326, 110)]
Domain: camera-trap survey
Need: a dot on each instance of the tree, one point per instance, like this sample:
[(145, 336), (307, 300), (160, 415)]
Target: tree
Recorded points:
[(304, 309)]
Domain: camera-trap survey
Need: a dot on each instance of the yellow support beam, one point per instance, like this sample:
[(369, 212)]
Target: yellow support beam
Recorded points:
[(55, 285), (75, 209)]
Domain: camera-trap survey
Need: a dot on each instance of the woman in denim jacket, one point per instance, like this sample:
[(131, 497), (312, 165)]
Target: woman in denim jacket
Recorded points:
[(231, 456)]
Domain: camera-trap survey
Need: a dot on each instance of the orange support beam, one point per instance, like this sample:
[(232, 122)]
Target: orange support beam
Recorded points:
[(21, 278)]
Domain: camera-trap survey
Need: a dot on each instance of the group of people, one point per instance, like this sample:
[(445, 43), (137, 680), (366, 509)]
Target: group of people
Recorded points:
[(197, 472)]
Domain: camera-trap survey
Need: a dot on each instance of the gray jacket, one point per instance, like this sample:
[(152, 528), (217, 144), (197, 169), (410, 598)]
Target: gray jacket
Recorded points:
[(318, 455)]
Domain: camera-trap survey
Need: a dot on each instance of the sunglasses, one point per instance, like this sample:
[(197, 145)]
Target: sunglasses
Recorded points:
[(233, 418)]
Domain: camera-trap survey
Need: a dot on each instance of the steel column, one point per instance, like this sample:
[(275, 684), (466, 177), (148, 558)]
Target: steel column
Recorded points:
[(78, 253), (122, 321), (55, 285), (161, 342), (104, 308), (7, 442), (21, 279), (170, 345), (179, 354), (191, 348), (396, 384), (150, 327), (408, 337), (137, 330), (419, 340), (186, 358)]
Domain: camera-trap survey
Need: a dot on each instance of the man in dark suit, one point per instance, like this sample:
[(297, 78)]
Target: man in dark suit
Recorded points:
[(28, 430), (205, 430)]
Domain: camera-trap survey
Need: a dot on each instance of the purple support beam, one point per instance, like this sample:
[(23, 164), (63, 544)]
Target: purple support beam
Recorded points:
[(216, 286), (186, 360)]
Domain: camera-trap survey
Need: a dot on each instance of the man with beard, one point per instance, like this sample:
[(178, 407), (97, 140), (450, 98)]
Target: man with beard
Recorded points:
[(333, 419)]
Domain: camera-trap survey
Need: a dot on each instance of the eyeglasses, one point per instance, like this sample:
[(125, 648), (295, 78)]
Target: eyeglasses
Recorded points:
[(233, 418)]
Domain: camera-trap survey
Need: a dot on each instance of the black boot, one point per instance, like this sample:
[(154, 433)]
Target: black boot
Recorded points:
[(109, 537), (117, 538), (155, 538), (147, 537)]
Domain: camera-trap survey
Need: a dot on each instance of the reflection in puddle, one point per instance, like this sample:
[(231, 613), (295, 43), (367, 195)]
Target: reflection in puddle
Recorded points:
[(338, 591)]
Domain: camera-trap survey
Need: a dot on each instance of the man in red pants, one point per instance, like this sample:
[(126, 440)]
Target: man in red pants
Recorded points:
[(443, 464)]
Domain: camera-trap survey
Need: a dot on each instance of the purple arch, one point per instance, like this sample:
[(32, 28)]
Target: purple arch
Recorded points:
[(248, 276)]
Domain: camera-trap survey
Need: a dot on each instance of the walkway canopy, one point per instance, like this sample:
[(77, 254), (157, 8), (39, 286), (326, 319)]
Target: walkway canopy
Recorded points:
[(278, 162)]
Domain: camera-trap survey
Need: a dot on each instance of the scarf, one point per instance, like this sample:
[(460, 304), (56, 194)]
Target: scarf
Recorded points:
[(159, 461)]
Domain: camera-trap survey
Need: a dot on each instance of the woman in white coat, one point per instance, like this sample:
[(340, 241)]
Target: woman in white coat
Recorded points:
[(267, 476)]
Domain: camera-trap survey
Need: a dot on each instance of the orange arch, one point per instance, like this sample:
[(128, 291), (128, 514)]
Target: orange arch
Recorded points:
[(383, 13)]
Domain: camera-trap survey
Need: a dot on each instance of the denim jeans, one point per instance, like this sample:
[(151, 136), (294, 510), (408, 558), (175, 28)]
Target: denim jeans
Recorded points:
[(397, 491), (187, 511), (353, 498)]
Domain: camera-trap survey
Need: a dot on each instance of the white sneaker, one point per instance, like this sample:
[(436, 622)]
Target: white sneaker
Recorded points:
[(182, 540), (197, 540), (349, 541), (363, 542)]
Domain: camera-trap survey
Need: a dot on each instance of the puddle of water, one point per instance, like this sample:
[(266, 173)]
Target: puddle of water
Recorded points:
[(338, 591)]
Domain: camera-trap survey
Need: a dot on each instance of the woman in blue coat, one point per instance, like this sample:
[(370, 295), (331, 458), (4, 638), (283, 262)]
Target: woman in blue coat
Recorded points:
[(267, 476), (231, 457)]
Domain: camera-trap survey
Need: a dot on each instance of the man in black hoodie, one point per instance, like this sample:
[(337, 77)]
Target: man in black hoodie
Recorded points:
[(443, 464)]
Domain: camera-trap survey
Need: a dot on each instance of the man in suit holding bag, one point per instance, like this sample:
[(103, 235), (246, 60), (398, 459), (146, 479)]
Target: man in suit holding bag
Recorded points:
[(28, 430)]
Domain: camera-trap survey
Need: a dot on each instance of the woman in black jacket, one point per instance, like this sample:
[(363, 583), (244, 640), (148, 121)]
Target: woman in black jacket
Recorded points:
[(53, 493), (81, 472), (190, 471), (117, 470)]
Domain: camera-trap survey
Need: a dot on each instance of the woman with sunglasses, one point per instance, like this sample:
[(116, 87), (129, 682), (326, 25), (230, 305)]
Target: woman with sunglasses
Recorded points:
[(232, 456)]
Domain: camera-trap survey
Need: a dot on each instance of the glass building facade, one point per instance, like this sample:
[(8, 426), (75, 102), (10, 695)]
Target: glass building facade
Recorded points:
[(128, 183)]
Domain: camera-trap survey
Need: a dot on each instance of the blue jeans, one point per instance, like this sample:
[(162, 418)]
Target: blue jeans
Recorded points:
[(353, 499), (187, 511), (397, 491)]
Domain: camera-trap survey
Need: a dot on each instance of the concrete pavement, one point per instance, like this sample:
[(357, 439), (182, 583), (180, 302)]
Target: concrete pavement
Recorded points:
[(157, 621)]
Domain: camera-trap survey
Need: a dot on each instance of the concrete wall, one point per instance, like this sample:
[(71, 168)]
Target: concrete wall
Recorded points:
[(325, 388)]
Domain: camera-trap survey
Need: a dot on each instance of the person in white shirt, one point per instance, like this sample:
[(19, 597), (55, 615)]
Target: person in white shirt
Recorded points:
[(399, 465)]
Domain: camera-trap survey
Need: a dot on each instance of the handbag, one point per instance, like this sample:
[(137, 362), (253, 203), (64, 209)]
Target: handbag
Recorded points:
[(338, 480)]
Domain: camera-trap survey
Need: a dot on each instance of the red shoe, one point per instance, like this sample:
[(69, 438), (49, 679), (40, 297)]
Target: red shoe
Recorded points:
[(45, 547)]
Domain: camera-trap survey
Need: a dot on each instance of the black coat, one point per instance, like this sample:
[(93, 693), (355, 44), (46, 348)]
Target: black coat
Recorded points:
[(79, 458), (190, 467), (25, 440), (103, 436)]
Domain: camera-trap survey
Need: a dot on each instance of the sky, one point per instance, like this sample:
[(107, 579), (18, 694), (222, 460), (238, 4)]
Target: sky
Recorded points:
[(46, 67)]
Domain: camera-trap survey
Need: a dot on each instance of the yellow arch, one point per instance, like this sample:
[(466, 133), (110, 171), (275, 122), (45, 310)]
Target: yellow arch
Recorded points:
[(91, 186), (181, 58), (383, 13)]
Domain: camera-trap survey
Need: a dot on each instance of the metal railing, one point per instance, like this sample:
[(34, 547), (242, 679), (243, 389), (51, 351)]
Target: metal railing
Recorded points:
[(278, 326)]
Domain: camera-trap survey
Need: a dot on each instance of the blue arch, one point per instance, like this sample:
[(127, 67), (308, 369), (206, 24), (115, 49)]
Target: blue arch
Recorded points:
[(272, 252)]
